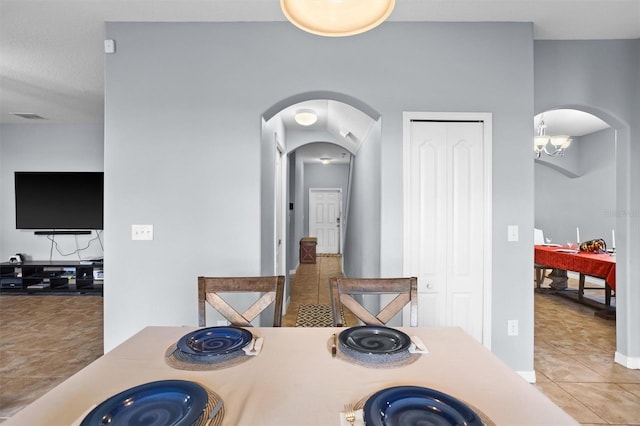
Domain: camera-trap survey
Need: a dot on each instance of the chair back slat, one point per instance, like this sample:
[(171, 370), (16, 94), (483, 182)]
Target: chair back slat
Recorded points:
[(358, 310), (270, 287), (233, 316), (395, 306), (343, 289)]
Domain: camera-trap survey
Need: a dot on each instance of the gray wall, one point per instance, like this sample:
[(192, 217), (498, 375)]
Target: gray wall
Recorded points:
[(187, 98), (603, 78), (362, 241), (46, 147), (588, 201)]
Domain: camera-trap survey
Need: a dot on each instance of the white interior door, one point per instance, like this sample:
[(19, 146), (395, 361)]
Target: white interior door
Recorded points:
[(445, 221), (325, 209)]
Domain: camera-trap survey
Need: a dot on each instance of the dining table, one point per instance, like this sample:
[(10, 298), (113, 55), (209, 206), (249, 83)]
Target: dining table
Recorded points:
[(563, 258), (296, 380)]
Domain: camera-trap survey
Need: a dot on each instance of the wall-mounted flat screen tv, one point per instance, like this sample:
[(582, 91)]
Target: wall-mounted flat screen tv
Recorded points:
[(59, 200)]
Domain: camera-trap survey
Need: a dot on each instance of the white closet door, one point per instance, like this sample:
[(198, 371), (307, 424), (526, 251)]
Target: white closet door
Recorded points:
[(446, 216)]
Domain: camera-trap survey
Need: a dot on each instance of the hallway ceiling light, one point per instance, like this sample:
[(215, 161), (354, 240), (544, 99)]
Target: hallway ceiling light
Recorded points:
[(305, 117), (336, 18), (325, 160), (558, 143)]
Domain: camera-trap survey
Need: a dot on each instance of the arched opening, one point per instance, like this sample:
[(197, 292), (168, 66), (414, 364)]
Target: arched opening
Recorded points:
[(292, 157), (577, 195), (566, 186)]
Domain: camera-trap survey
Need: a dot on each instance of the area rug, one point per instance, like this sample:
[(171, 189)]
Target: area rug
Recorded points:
[(315, 316)]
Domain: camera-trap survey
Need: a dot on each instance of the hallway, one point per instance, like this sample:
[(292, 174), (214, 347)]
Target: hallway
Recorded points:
[(310, 286)]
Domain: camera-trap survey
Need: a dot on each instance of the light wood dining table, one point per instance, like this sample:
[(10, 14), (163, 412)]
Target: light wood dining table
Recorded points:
[(294, 380)]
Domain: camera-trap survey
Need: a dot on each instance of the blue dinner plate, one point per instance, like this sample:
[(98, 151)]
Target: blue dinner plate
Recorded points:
[(214, 341), (414, 405), (373, 339), (163, 403)]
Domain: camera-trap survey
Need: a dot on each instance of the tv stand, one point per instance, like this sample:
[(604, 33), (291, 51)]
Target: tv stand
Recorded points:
[(51, 277)]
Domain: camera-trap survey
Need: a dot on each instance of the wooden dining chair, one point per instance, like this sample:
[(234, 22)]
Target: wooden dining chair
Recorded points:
[(209, 289), (343, 290)]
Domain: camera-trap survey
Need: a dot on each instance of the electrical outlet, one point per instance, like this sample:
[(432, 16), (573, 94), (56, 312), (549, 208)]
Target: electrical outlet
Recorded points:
[(512, 327), (222, 323), (142, 232)]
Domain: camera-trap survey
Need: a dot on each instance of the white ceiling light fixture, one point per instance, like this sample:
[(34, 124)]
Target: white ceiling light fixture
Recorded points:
[(336, 18), (306, 117), (326, 160), (541, 142)]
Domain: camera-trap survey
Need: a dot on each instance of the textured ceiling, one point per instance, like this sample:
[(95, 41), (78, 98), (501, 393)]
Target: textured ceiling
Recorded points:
[(51, 51)]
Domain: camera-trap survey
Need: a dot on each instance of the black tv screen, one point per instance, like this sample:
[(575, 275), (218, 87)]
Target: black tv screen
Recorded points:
[(59, 200)]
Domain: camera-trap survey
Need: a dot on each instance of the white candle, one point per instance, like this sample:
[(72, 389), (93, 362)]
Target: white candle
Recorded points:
[(613, 239), (578, 235)]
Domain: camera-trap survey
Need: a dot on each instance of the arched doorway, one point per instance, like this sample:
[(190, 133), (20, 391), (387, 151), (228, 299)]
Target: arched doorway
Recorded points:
[(616, 185), (343, 122)]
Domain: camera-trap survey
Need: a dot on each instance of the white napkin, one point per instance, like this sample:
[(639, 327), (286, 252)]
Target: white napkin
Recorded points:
[(359, 419), (256, 345), (417, 346)]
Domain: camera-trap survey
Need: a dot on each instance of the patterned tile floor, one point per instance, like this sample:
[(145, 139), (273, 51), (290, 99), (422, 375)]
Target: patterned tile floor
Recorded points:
[(40, 335)]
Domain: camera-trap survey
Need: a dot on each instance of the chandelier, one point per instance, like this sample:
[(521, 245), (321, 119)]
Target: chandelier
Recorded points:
[(550, 145), (336, 18)]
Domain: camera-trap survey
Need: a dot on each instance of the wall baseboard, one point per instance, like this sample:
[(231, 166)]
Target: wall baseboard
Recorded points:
[(626, 361), (529, 376)]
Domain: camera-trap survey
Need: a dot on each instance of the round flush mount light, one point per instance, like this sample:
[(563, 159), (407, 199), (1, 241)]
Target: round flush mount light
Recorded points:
[(305, 117), (336, 18)]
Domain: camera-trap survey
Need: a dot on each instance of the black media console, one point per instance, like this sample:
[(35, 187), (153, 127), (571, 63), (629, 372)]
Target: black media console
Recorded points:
[(51, 277)]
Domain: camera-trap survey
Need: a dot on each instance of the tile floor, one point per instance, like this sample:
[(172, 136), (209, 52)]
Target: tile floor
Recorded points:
[(43, 341), (574, 365), (573, 348), (310, 285)]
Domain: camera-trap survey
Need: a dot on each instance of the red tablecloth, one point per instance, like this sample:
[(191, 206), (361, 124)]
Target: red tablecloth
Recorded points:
[(596, 265)]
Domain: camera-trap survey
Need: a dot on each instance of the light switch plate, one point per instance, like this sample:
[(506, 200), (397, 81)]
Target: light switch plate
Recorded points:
[(142, 232), (512, 233), (109, 46)]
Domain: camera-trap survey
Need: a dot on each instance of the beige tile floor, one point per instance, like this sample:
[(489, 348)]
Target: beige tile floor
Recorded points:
[(310, 285), (45, 339), (574, 363)]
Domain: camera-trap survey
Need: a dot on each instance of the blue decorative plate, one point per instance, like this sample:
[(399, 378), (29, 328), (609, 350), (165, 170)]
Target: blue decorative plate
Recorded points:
[(163, 403), (214, 341), (413, 405), (373, 339)]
